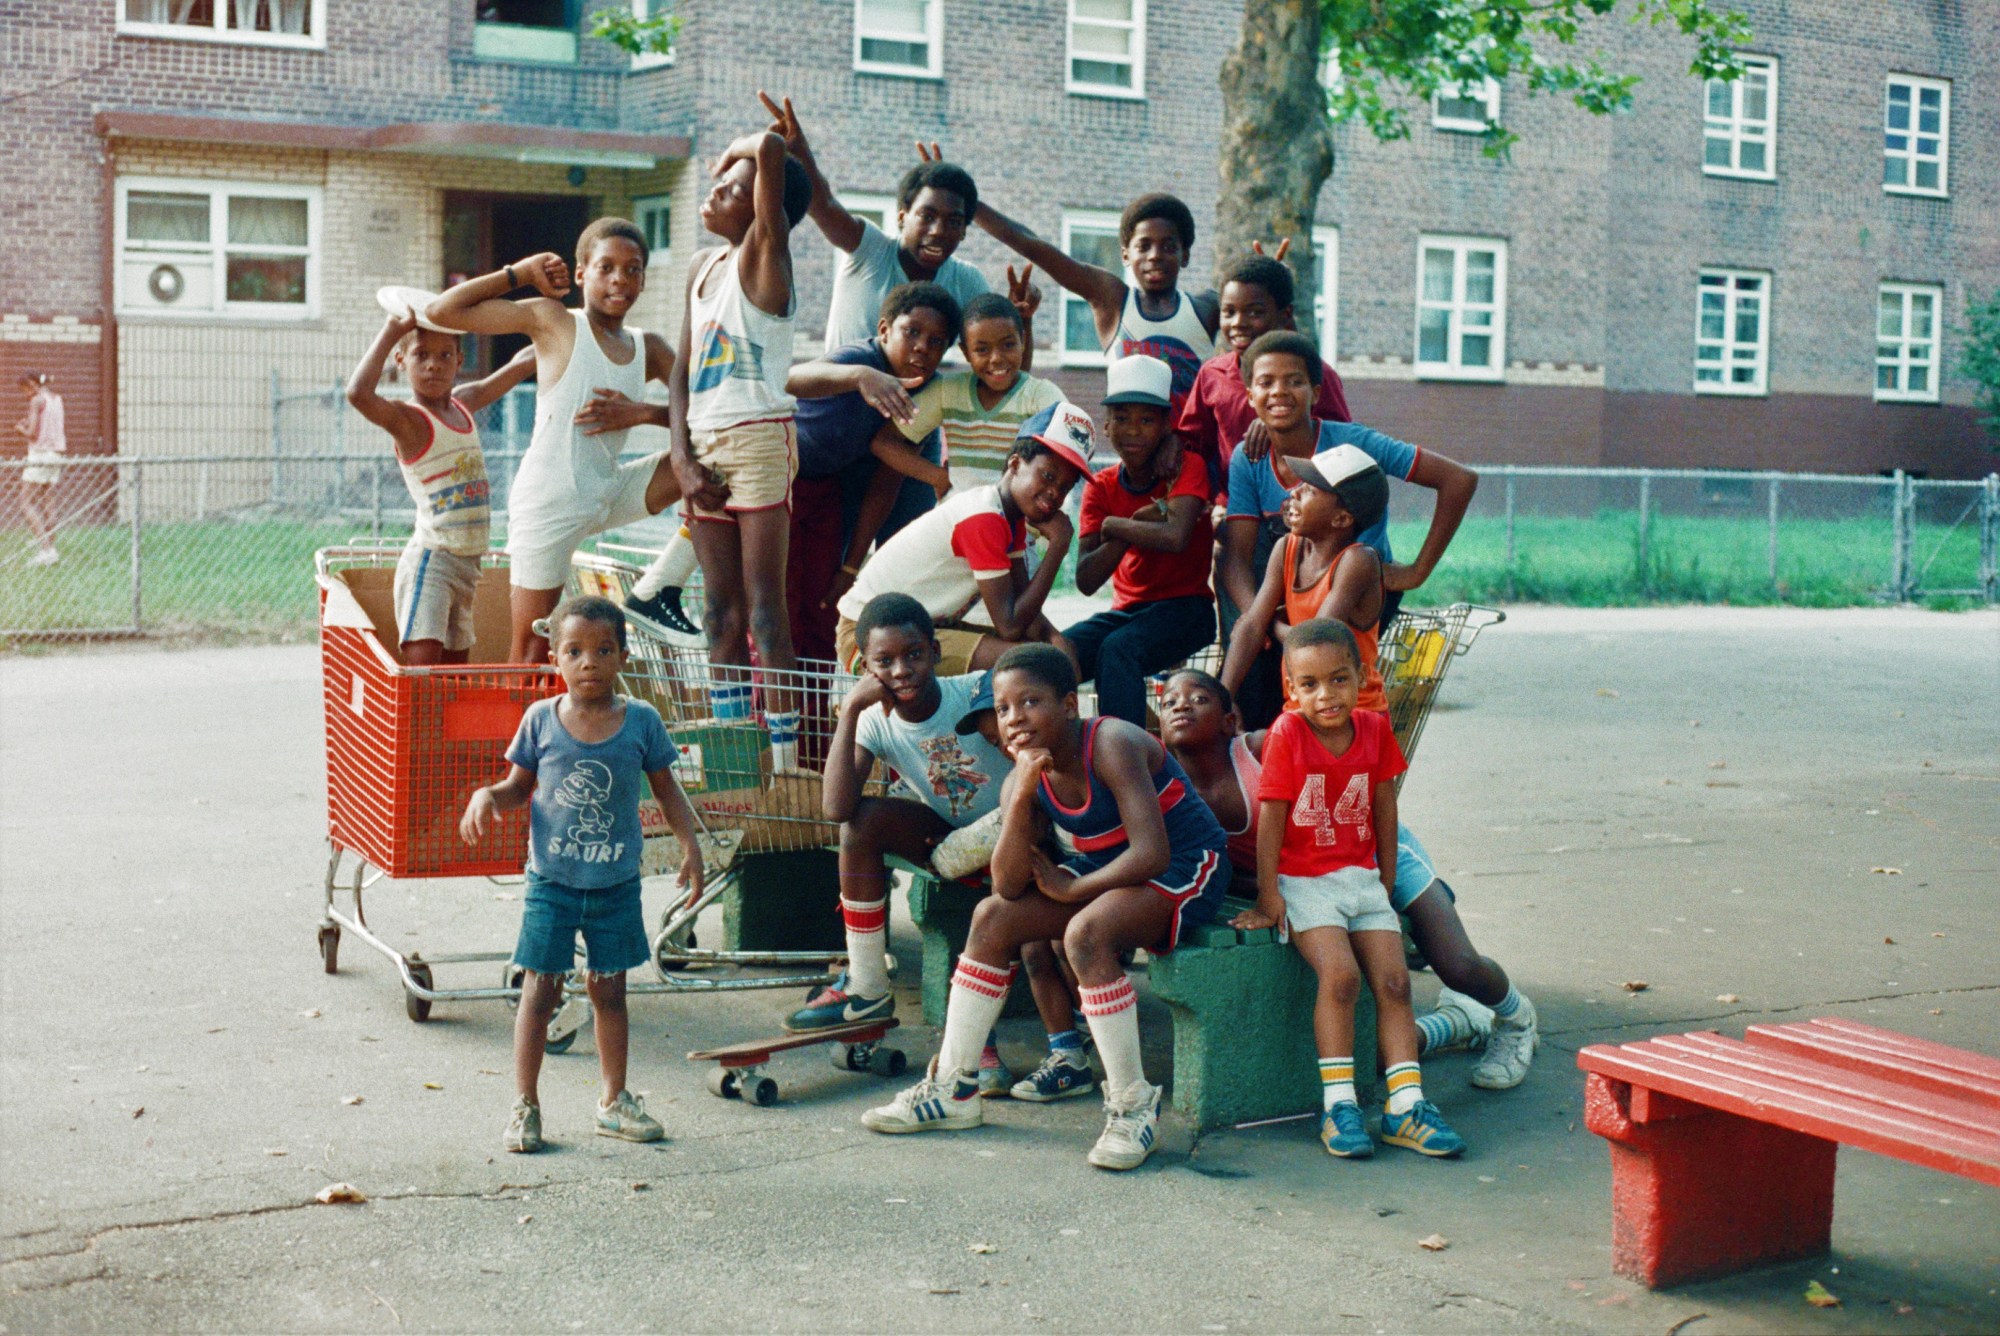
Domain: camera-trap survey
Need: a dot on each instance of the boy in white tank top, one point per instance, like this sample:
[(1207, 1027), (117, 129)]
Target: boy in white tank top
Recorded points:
[(1157, 318), (592, 371), (733, 443), (437, 445)]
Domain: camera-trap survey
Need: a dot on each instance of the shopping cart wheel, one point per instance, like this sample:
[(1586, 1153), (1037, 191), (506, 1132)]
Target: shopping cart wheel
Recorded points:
[(888, 1061), (329, 947), (559, 1043), (722, 1083), (763, 1092), (417, 1008)]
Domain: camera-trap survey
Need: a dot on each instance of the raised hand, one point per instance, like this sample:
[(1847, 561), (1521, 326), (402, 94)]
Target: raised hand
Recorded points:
[(1025, 296), (930, 152), (545, 273), (785, 125), (1284, 247)]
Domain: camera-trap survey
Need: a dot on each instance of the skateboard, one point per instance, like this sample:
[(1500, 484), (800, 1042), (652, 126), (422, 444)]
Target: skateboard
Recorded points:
[(739, 1069)]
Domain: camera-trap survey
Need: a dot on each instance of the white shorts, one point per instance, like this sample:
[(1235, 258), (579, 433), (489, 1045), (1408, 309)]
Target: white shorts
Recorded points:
[(434, 590), (44, 469), (1350, 898), (541, 542)]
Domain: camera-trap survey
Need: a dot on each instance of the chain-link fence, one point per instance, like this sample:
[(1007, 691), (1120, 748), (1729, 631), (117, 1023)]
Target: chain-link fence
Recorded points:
[(221, 545)]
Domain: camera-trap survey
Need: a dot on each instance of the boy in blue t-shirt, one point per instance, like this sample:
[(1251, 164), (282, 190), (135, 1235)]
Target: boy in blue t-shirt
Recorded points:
[(578, 763)]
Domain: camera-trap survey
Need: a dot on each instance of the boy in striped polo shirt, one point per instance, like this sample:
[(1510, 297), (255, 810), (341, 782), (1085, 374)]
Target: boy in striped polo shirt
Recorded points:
[(981, 410)]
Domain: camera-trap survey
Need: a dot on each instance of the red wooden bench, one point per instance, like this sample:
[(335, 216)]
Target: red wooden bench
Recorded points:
[(1722, 1150)]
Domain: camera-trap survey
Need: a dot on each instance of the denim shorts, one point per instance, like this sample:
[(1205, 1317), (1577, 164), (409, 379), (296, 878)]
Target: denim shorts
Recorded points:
[(610, 918), (1350, 898)]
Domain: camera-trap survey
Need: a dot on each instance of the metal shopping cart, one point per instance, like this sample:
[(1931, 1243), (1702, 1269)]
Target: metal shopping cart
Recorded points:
[(405, 748)]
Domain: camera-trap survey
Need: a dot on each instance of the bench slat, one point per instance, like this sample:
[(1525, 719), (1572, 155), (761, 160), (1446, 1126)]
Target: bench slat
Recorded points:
[(1782, 1101), (1890, 1098), (1887, 1055)]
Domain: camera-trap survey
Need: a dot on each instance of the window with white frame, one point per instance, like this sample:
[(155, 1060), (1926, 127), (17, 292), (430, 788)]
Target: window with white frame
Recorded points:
[(1732, 336), (1092, 237), (1326, 306), (1107, 47), (654, 217), (877, 209), (1461, 308), (1739, 122), (903, 37), (1466, 108), (268, 22), (1906, 342), (206, 249), (651, 9), (1916, 135)]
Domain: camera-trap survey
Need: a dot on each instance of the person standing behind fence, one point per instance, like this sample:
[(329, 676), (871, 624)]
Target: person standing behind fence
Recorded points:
[(592, 368), (42, 428), (438, 449)]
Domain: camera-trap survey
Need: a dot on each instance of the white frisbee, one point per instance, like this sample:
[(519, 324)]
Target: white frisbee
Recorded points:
[(398, 298)]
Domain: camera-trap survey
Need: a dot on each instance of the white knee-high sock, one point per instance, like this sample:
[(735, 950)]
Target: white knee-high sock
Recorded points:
[(978, 994), (673, 568), (867, 946), (1113, 1009)]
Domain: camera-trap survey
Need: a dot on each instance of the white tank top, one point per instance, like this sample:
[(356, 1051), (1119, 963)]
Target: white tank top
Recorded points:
[(741, 355), (565, 471), (448, 483), (1181, 340)]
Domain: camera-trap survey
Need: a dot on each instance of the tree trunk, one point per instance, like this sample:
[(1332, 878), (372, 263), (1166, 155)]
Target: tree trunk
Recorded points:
[(1277, 146)]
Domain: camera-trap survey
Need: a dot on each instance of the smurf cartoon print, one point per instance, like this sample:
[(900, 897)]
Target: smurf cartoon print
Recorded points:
[(584, 793)]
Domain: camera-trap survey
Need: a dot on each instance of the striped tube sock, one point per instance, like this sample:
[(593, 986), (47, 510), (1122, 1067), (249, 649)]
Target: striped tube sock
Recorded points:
[(784, 725), (731, 701), (1437, 1029), (1336, 1082), (1406, 1087), (867, 946), (978, 994), (1113, 1009), (671, 569), (1070, 1040), (1506, 1007)]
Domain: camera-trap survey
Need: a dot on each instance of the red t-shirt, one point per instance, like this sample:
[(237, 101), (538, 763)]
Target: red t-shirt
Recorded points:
[(1217, 410), (1143, 575), (1332, 820)]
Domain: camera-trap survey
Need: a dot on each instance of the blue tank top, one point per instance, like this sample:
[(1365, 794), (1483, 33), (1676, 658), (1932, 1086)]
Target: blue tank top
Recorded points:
[(1097, 832)]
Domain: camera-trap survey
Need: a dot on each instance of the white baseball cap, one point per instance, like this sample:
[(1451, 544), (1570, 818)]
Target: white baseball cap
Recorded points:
[(1139, 379), (1065, 429), (1330, 468)]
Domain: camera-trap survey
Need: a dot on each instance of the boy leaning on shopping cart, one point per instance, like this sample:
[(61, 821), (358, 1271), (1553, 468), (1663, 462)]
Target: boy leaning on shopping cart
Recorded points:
[(580, 763)]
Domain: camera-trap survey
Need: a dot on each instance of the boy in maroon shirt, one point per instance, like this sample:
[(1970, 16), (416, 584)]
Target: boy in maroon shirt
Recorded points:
[(1146, 527)]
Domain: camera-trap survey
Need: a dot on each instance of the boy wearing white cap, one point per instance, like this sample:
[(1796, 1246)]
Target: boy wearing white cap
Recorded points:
[(1146, 528)]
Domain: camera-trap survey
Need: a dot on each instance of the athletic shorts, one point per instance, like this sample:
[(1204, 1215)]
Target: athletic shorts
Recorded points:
[(1349, 897), (434, 590), (44, 469), (610, 918), (1414, 870), (955, 645), (542, 539), (1194, 883), (758, 460)]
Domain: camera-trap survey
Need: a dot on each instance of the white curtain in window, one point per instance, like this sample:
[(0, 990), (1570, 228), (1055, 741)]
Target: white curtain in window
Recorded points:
[(285, 16), (266, 222), (181, 219)]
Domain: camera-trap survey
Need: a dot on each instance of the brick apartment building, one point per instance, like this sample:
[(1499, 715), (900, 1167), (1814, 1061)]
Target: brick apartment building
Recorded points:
[(201, 197)]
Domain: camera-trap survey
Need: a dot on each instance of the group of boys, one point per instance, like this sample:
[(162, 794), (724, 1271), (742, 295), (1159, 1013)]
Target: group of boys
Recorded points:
[(818, 502)]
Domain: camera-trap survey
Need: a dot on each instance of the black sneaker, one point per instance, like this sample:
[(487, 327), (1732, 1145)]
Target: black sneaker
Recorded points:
[(664, 609)]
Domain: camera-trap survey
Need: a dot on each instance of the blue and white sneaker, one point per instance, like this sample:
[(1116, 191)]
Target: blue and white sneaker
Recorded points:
[(935, 1104), (1343, 1133), (1064, 1073), (1131, 1120), (1421, 1128), (833, 1006)]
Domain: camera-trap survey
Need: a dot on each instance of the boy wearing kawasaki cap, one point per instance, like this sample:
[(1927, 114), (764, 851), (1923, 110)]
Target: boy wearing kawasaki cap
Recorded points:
[(973, 549), (1146, 528)]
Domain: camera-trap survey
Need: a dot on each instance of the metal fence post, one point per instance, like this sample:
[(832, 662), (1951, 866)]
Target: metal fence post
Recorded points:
[(1899, 553), (138, 521), (277, 469), (1989, 538), (1774, 535), (1510, 533), (1645, 514)]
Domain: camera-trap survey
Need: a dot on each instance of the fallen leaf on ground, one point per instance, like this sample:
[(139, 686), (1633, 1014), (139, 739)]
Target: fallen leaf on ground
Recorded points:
[(1904, 1310), (983, 1248), (1636, 985), (432, 1085), (350, 1099), (524, 1220), (334, 1194), (1888, 941), (1937, 1011), (1819, 1296), (1607, 691), (1434, 1243), (273, 1150), (310, 1013), (1727, 997), (641, 1186), (1718, 765), (1685, 1323), (1578, 1285), (938, 1291), (1887, 871), (136, 1112), (218, 1029)]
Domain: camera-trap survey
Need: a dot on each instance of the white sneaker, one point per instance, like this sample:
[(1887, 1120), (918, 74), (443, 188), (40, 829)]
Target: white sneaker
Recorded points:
[(1130, 1120), (48, 556), (934, 1104), (1471, 1020), (1509, 1051), (626, 1118)]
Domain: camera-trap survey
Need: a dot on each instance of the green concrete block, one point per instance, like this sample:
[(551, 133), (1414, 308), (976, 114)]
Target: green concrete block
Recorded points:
[(942, 911), (1242, 1004), (785, 902)]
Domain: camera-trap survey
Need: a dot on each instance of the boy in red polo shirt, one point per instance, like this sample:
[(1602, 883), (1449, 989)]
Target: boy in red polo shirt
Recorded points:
[(1146, 527)]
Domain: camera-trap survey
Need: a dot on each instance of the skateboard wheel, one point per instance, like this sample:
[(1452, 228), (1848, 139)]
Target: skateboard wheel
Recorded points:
[(722, 1083), (762, 1092), (888, 1062)]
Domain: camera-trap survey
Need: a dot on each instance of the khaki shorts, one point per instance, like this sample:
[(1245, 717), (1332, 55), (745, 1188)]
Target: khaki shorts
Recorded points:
[(955, 643), (758, 461), (539, 545), (434, 590)]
